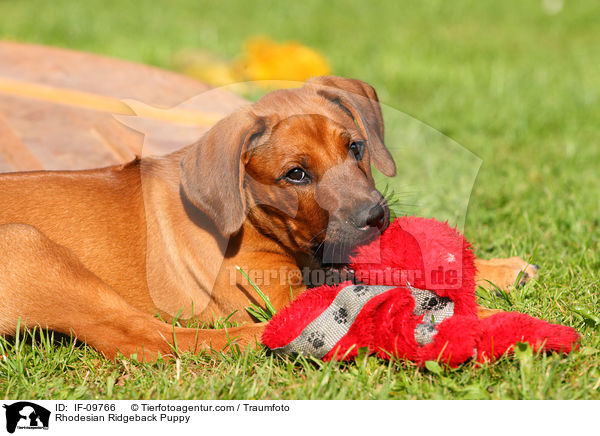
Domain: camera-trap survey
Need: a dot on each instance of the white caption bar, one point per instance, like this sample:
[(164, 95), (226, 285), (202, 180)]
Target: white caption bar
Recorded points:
[(22, 417)]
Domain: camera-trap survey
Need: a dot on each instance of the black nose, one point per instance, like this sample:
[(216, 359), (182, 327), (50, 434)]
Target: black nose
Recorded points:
[(370, 216)]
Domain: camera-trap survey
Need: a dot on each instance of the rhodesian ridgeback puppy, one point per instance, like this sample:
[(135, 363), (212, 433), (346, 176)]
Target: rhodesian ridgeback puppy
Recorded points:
[(276, 187)]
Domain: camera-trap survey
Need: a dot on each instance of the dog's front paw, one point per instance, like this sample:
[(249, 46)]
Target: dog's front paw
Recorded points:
[(504, 273)]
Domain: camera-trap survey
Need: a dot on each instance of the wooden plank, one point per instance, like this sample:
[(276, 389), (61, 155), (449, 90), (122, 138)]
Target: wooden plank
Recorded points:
[(14, 151), (59, 106), (97, 102), (124, 143)]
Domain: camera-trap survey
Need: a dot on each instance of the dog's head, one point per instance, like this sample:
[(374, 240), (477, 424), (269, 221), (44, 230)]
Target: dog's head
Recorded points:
[(297, 163)]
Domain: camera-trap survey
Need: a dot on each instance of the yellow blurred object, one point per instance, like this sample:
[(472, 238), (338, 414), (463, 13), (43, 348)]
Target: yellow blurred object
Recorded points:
[(265, 59), (276, 65), (206, 67)]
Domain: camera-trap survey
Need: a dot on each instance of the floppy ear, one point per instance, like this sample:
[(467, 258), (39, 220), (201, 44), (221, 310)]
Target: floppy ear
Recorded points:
[(212, 172), (360, 101)]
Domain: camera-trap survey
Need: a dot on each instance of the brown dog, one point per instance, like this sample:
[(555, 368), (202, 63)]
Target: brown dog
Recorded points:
[(277, 186)]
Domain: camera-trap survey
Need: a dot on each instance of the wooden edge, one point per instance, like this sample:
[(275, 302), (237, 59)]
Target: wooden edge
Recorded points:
[(14, 151)]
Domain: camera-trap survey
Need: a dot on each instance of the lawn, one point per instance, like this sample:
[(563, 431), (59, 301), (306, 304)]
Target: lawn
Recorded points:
[(517, 84)]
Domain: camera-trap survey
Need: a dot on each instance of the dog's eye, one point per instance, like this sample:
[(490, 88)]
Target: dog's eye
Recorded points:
[(297, 175), (357, 148)]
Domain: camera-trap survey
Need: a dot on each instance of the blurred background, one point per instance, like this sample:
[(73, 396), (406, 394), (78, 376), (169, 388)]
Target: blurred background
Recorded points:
[(515, 83)]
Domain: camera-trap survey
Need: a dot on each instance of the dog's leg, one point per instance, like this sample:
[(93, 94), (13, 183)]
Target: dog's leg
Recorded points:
[(503, 273), (44, 284)]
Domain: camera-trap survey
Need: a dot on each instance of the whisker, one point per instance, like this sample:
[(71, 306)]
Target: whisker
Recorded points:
[(317, 235)]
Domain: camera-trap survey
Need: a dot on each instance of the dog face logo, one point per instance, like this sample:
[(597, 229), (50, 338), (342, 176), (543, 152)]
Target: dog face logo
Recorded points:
[(26, 415)]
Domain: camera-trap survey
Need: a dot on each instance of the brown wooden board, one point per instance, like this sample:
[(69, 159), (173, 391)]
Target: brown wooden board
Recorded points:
[(62, 109)]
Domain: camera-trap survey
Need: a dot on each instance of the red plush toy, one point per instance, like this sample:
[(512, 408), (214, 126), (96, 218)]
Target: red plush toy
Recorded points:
[(416, 301)]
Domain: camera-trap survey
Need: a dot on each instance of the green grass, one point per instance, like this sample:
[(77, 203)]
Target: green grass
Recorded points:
[(517, 87)]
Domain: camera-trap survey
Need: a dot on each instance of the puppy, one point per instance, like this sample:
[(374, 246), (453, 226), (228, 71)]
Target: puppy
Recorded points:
[(277, 187)]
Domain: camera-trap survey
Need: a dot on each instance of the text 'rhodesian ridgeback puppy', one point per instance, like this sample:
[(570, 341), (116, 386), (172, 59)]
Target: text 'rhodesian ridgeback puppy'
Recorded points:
[(277, 187)]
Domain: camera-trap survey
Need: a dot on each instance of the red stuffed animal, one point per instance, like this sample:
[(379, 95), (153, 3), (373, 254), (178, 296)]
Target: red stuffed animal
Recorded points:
[(416, 301)]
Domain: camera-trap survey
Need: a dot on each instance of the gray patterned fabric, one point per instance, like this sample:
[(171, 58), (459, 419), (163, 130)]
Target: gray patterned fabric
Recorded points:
[(434, 309), (320, 336), (424, 333)]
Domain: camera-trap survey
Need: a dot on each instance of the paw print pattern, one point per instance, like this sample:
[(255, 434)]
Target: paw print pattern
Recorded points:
[(434, 303), (360, 290), (316, 339), (341, 316), (434, 310)]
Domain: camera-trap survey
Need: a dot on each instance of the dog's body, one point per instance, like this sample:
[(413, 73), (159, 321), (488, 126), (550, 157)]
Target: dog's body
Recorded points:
[(97, 253)]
